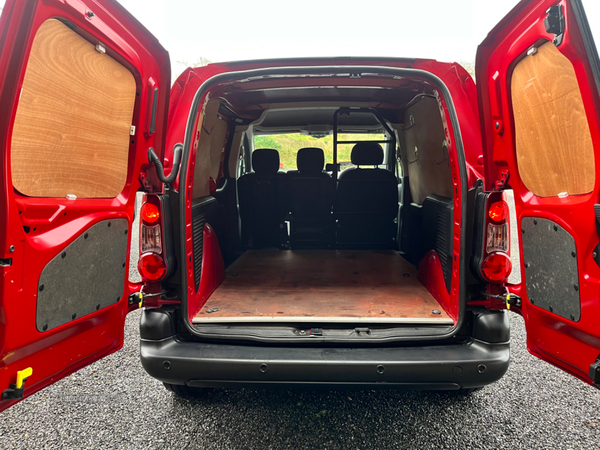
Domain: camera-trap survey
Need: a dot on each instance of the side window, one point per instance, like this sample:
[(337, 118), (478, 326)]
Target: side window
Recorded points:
[(71, 130), (548, 110)]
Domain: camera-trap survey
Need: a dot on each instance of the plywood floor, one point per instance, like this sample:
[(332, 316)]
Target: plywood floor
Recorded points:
[(341, 286)]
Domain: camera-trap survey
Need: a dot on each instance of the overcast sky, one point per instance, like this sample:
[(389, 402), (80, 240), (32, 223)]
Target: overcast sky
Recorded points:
[(440, 29), (229, 30), (447, 30)]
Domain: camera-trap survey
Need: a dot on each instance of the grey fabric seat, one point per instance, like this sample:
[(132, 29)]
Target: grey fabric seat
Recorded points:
[(260, 196), (309, 199), (366, 202)]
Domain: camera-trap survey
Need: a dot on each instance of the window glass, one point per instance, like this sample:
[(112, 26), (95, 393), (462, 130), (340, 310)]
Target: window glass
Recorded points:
[(289, 144)]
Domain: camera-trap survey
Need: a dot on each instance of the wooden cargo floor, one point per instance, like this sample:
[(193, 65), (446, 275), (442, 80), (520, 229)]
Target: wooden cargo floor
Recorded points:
[(340, 286)]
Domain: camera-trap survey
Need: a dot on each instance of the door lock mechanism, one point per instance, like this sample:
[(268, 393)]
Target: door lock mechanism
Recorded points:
[(15, 391)]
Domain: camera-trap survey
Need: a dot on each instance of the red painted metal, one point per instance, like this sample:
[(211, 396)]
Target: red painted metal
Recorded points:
[(213, 272), (568, 345), (54, 223), (431, 275)]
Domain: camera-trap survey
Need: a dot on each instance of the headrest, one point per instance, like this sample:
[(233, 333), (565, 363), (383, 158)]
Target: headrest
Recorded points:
[(367, 154), (265, 161), (310, 160)]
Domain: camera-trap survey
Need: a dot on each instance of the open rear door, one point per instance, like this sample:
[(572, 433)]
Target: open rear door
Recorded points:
[(538, 77), (84, 89)]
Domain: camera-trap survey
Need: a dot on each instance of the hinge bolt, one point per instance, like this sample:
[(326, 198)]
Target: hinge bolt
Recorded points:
[(90, 14), (11, 248)]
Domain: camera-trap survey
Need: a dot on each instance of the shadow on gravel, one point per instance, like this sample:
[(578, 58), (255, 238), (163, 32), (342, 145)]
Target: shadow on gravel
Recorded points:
[(332, 419)]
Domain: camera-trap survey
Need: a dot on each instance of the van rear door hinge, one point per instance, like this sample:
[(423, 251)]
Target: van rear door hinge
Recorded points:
[(555, 23), (595, 372)]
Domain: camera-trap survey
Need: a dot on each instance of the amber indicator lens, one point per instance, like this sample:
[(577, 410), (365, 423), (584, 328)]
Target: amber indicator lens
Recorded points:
[(151, 267), (496, 267), (498, 211), (150, 213)]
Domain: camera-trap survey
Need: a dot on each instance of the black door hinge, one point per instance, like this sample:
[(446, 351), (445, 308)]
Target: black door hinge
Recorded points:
[(555, 23), (595, 372), (596, 251)]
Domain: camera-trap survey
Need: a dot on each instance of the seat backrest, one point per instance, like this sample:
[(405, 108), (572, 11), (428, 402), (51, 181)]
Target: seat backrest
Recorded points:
[(310, 193), (260, 196), (309, 199), (366, 202)]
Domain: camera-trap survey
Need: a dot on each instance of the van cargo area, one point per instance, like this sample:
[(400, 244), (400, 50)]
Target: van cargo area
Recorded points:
[(333, 286), (323, 201)]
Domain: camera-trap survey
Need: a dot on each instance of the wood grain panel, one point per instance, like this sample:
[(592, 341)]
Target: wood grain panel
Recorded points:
[(427, 158), (211, 145), (323, 285), (71, 131), (554, 147)]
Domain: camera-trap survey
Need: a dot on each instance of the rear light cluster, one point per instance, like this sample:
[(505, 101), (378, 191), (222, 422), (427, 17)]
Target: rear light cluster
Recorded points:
[(151, 265), (496, 265)]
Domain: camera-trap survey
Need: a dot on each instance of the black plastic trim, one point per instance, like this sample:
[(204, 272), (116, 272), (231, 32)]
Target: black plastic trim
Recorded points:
[(307, 70), (468, 365), (156, 324), (152, 127)]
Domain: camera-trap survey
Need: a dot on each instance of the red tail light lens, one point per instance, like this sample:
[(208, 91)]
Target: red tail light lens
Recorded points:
[(498, 211), (496, 267), (151, 267), (150, 213)]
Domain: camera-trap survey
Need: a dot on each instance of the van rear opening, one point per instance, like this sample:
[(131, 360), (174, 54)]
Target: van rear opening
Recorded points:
[(330, 286)]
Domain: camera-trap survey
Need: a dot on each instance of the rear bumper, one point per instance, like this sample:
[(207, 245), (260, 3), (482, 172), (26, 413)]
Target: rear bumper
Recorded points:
[(467, 365)]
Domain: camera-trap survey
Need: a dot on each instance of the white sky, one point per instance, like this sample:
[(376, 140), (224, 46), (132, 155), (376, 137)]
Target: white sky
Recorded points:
[(229, 30), (239, 29)]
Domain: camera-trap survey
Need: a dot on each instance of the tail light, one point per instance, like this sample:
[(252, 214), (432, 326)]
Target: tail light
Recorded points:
[(152, 265), (492, 248)]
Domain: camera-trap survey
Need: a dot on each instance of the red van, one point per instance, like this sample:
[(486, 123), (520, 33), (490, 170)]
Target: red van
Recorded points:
[(420, 208)]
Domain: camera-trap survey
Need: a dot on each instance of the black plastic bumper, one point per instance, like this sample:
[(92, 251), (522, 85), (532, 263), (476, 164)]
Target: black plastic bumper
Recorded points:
[(468, 365)]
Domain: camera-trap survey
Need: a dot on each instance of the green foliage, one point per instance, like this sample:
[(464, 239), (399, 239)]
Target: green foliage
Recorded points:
[(289, 144)]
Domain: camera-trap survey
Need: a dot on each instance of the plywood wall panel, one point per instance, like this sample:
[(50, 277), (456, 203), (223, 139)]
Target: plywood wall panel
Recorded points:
[(554, 147), (211, 144), (71, 130), (425, 154)]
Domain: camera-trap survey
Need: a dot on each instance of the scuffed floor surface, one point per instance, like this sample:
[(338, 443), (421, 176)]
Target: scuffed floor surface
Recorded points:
[(113, 404)]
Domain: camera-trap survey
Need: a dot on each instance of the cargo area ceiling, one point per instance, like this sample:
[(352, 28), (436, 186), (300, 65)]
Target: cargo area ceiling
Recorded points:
[(389, 94)]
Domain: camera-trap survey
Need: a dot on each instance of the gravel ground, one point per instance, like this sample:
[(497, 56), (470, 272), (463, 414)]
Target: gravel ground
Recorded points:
[(114, 404)]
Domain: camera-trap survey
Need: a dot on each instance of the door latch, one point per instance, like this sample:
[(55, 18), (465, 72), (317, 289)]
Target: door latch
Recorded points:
[(555, 23), (15, 391)]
